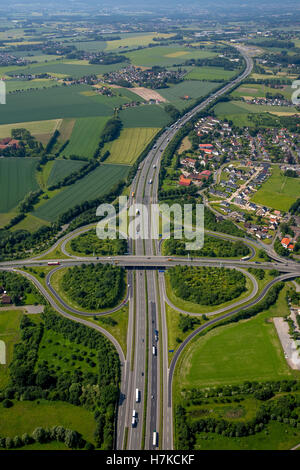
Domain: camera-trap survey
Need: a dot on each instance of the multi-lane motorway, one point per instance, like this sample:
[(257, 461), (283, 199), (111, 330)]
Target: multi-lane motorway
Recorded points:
[(145, 367)]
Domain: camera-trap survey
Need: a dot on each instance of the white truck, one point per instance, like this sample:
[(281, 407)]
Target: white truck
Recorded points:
[(137, 395), (155, 439)]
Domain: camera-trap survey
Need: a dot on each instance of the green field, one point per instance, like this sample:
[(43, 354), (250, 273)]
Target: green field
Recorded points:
[(94, 185), (10, 334), (247, 350), (30, 223), (166, 55), (278, 192), (145, 116), (14, 85), (192, 88), (258, 90), (210, 73), (229, 107), (258, 108), (25, 416), (65, 354), (90, 46), (17, 178), (62, 168), (85, 136), (239, 107), (59, 102), (74, 69), (132, 141)]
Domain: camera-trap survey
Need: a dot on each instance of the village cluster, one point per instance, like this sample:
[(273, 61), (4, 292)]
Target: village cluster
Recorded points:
[(268, 101), (233, 185), (155, 77)]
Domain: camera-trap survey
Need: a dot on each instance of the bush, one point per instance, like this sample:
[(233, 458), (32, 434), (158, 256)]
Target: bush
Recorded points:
[(7, 403)]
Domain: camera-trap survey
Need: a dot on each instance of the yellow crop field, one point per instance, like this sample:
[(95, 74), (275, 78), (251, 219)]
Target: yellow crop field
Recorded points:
[(34, 127), (130, 144), (177, 54), (139, 40)]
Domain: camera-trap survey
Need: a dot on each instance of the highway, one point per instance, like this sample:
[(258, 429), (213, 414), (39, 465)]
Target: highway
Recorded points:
[(144, 368), (161, 262)]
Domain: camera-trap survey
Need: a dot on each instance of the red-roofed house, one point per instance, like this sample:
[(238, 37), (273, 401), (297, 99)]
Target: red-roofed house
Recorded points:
[(205, 172), (8, 142), (13, 142), (184, 181), (285, 242)]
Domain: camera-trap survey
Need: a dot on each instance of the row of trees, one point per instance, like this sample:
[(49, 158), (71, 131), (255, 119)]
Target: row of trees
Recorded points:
[(197, 396), (76, 175), (71, 439)]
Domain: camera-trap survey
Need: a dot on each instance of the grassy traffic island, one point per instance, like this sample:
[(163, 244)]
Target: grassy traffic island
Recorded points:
[(202, 289), (64, 377), (90, 287), (234, 390)]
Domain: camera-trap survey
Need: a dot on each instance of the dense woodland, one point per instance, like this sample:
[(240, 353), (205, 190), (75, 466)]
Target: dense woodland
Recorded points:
[(206, 285), (88, 243), (94, 286), (213, 247)]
